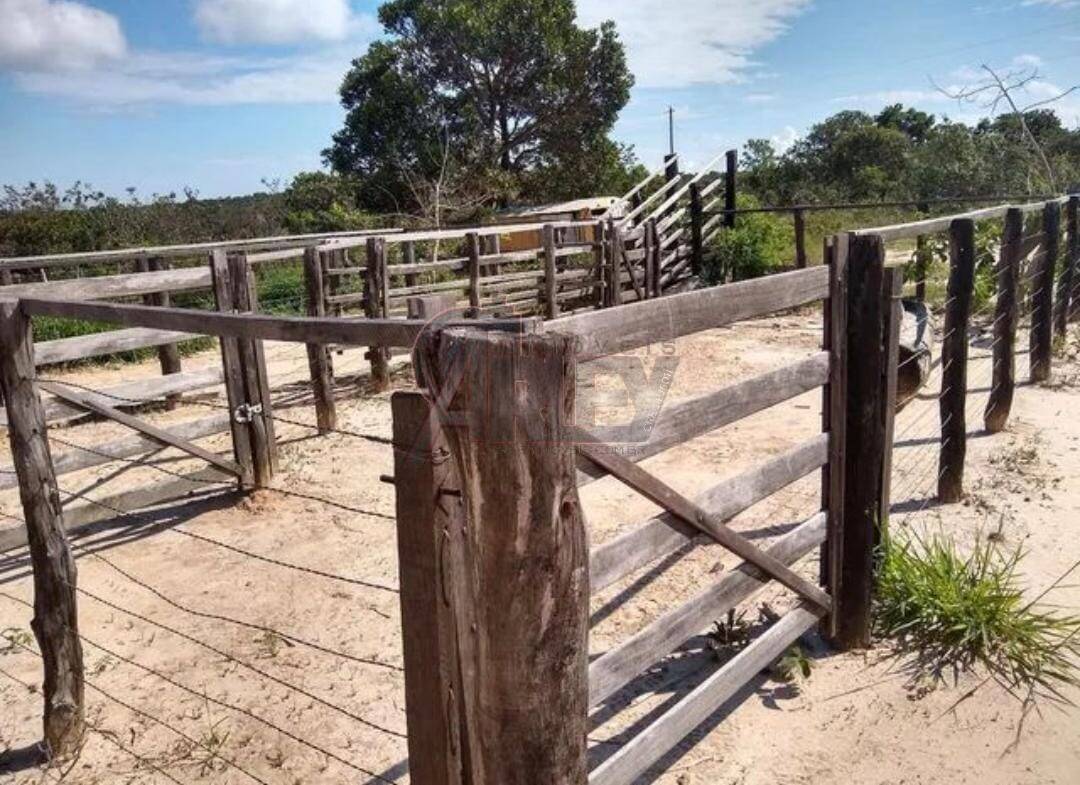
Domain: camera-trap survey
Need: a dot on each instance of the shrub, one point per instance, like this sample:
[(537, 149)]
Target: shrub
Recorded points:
[(759, 243), (960, 611)]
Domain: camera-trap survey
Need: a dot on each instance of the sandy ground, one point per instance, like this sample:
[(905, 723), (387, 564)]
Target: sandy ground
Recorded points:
[(180, 692)]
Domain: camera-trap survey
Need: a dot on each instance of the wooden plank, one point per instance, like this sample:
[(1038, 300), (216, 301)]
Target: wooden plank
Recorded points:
[(169, 354), (56, 617), (657, 491), (689, 419), (635, 757), (551, 303), (892, 291), (665, 534), (160, 435), (1065, 283), (320, 363), (428, 235), (935, 225), (75, 460), (1072, 258), (472, 245), (259, 414), (374, 286), (618, 666), (1006, 318), (62, 350), (954, 361), (834, 416), (622, 329), (697, 224), (183, 279), (1042, 298), (428, 523), (523, 611)]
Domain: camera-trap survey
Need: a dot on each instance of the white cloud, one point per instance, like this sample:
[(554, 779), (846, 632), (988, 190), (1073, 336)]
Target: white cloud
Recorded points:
[(759, 98), (56, 35), (692, 41), (1053, 3), (783, 141), (273, 21)]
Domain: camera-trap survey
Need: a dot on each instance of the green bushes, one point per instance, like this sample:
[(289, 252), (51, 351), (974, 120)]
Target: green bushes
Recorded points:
[(759, 243)]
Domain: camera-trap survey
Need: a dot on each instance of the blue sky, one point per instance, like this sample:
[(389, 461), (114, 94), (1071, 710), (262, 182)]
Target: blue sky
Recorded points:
[(219, 94)]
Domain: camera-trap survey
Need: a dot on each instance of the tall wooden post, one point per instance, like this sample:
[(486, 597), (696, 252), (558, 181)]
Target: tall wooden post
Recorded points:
[(551, 281), (235, 389), (1006, 318), (731, 167), (1067, 281), (374, 284), (657, 257), (858, 426), (599, 257), (6, 278), (520, 577), (671, 166), (1074, 258), (408, 256), (472, 250), (697, 223), (169, 354), (922, 266), (954, 361), (892, 292), (648, 263), (56, 620), (800, 239), (1042, 298), (320, 361), (614, 265)]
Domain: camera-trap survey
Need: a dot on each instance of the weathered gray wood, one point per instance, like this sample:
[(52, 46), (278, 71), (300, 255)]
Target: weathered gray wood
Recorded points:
[(551, 303), (600, 250), (127, 285), (954, 361), (1072, 259), (62, 350), (834, 416), (472, 247), (689, 419), (1006, 318), (374, 287), (1042, 297), (892, 291), (614, 271), (657, 491), (618, 666), (864, 434), (75, 459), (56, 619), (622, 329), (232, 370), (1065, 281), (525, 589), (922, 266), (429, 522), (169, 354), (935, 225), (159, 435), (665, 534), (320, 362), (637, 755)]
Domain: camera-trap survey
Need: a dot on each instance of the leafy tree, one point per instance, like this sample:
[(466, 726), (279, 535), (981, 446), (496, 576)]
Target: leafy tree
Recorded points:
[(322, 202), (488, 92)]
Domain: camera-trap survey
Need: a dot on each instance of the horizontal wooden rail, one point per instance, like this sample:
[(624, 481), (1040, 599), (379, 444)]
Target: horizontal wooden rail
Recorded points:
[(486, 230), (81, 347), (295, 329), (636, 756), (665, 534), (181, 279), (617, 667), (942, 224), (615, 330)]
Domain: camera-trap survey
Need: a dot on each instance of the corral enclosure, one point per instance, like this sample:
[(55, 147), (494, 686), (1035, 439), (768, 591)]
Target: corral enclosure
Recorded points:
[(306, 627)]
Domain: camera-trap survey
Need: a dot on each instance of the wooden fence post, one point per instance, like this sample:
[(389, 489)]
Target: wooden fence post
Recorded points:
[(730, 169), (671, 167), (472, 250), (234, 379), (1042, 299), (648, 247), (1074, 258), (893, 292), (374, 285), (1006, 317), (56, 620), (599, 256), (1067, 281), (800, 239), (169, 354), (522, 612), (922, 266), (408, 256), (954, 361), (858, 442), (657, 255), (551, 283), (614, 265), (320, 361), (697, 223)]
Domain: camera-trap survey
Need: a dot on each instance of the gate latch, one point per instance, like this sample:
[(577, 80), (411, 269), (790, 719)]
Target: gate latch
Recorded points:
[(246, 412)]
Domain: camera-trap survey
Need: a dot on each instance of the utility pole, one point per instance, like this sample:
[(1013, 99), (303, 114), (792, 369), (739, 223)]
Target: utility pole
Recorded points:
[(671, 130)]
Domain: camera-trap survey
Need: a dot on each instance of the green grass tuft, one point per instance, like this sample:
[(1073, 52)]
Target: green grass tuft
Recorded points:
[(959, 611)]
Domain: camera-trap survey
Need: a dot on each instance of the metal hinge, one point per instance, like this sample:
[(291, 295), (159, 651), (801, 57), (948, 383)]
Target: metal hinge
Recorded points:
[(246, 412)]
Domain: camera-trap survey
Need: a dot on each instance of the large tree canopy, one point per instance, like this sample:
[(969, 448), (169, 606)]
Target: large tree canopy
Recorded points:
[(478, 97)]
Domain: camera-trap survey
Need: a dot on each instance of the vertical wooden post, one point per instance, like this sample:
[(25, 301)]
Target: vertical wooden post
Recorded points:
[(551, 270), (1074, 258), (408, 256), (857, 450), (671, 166), (1067, 280), (56, 620), (648, 247), (730, 169), (374, 283), (430, 531), (697, 222), (922, 266), (259, 409), (800, 239), (599, 254), (472, 250), (657, 257), (1042, 298), (333, 281), (833, 408), (506, 404), (234, 380), (954, 361), (6, 279), (893, 292), (320, 361), (168, 355), (1006, 317), (614, 266)]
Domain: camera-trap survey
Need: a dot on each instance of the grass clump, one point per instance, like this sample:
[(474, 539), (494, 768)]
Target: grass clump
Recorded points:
[(959, 611)]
